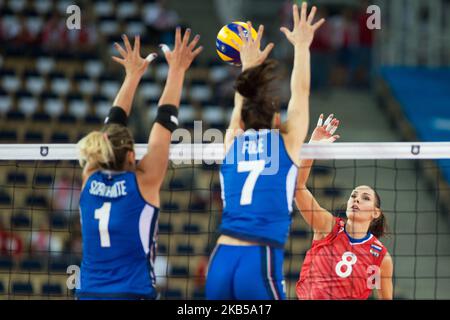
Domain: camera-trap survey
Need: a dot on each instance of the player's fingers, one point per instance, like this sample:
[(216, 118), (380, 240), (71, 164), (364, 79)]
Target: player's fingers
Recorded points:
[(333, 138), (267, 50), (286, 31), (303, 12), (236, 44), (127, 43), (320, 121), (312, 14), (121, 50), (177, 37), (186, 37), (151, 57), (296, 15), (241, 34), (333, 129), (194, 42), (118, 60), (260, 33), (318, 24), (249, 31), (197, 51), (165, 48), (327, 122), (137, 45)]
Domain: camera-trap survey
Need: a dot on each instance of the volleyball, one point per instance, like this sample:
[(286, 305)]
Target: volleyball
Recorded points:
[(225, 47)]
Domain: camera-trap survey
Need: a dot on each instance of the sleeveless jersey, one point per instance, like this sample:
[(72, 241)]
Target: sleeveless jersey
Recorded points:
[(258, 182), (339, 267), (119, 230)]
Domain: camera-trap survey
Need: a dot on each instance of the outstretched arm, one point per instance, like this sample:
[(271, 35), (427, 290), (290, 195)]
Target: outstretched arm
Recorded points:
[(251, 56), (135, 67), (301, 37), (320, 220), (154, 164)]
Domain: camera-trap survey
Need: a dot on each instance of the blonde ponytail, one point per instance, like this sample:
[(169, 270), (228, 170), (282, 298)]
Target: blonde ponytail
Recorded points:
[(96, 149)]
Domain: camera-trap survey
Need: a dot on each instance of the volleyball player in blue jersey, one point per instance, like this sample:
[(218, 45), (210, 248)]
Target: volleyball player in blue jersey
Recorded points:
[(119, 202), (259, 171)]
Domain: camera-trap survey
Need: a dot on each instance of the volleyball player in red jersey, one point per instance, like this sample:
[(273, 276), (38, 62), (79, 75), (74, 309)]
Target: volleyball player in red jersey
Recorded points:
[(346, 260)]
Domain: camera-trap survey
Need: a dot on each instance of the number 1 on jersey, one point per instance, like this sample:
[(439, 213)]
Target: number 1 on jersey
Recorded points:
[(102, 215), (255, 168)]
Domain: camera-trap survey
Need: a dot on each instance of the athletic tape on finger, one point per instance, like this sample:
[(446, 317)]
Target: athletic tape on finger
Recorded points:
[(164, 47), (327, 122), (151, 57), (319, 122)]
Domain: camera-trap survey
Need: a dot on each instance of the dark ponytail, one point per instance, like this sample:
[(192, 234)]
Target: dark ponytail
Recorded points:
[(254, 85), (378, 227)]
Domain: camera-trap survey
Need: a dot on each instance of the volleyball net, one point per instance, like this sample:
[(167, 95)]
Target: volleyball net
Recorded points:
[(40, 236)]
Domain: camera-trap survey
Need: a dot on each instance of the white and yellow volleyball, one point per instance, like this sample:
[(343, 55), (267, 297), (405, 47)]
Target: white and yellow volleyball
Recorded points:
[(225, 47)]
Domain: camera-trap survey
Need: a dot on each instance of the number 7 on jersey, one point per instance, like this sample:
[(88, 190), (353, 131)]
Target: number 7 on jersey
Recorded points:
[(255, 168)]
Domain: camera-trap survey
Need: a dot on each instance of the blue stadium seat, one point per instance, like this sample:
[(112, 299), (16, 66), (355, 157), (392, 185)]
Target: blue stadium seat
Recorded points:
[(8, 136), (36, 201), (59, 265), (41, 117), (43, 179), (22, 288), (191, 228), (173, 294), (185, 249), (15, 178), (5, 199), (2, 287), (6, 263), (165, 228), (170, 207), (58, 221), (33, 137), (67, 119), (162, 248), (332, 192), (197, 206), (49, 289), (59, 137), (15, 115), (31, 264), (177, 184), (20, 220), (179, 271)]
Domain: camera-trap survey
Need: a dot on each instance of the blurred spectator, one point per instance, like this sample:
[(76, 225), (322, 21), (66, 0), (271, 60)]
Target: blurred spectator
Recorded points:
[(66, 194), (54, 34), (10, 243), (321, 54), (200, 273), (44, 242), (344, 40), (84, 39), (364, 51), (158, 17)]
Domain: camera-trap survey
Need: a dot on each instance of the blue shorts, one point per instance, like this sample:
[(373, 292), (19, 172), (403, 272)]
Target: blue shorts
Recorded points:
[(245, 273)]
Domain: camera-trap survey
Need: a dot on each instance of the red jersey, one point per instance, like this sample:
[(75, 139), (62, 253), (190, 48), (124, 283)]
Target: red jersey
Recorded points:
[(339, 267)]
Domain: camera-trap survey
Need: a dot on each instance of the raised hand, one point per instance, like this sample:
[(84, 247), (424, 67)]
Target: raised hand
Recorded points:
[(183, 53), (131, 59), (324, 132), (251, 55), (304, 29)]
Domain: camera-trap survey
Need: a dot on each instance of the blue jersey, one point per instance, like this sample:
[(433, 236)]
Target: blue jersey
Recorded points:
[(119, 230), (258, 182)]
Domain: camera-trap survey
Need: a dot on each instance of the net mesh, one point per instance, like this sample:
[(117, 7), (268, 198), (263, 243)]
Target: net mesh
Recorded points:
[(40, 238)]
